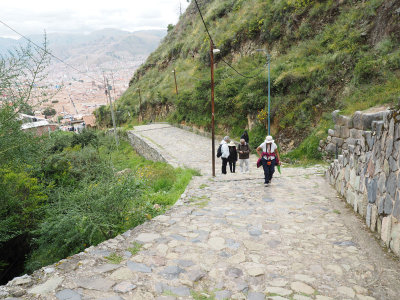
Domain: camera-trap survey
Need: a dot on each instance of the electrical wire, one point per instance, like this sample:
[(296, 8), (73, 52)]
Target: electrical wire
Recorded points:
[(211, 39), (52, 55)]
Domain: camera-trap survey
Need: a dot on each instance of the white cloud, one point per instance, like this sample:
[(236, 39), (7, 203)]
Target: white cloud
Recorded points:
[(33, 17)]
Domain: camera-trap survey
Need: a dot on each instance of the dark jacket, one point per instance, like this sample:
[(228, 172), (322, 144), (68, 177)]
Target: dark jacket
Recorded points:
[(232, 154), (246, 151), (245, 136)]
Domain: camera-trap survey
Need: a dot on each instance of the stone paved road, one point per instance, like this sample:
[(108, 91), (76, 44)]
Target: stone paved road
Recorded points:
[(230, 237)]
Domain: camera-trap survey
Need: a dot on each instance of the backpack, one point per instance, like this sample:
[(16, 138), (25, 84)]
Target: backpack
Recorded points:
[(219, 151)]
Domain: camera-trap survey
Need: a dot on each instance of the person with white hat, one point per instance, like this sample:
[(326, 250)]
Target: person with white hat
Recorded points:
[(232, 159), (269, 158), (224, 152)]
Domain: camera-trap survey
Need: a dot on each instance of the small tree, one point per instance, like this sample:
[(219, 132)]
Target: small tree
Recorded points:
[(49, 112)]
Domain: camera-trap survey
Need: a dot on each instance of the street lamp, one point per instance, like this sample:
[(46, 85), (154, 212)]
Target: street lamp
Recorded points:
[(176, 86), (212, 52), (269, 89)]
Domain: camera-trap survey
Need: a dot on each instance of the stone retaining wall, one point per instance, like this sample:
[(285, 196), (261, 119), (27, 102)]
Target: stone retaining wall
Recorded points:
[(144, 147), (366, 171)]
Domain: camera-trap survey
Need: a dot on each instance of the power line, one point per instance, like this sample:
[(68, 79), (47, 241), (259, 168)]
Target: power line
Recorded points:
[(229, 65), (59, 59)]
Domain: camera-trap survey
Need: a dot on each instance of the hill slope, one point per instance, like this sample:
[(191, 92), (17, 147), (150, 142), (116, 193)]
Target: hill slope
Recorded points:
[(326, 55), (98, 46)]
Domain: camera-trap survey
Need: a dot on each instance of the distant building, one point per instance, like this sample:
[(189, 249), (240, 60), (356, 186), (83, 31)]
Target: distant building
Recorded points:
[(90, 121), (37, 126)]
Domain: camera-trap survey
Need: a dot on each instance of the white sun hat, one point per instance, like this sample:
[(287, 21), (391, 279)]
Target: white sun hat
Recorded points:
[(269, 139)]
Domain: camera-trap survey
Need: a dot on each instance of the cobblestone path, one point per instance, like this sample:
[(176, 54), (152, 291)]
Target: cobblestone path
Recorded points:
[(230, 237)]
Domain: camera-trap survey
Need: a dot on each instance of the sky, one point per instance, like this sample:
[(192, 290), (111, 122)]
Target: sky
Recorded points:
[(84, 16)]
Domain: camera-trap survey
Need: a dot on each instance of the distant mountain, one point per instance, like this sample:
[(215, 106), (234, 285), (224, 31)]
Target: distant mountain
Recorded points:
[(97, 47)]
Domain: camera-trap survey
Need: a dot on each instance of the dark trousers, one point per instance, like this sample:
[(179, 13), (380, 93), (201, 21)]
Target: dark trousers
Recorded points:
[(232, 166), (268, 169), (224, 163)]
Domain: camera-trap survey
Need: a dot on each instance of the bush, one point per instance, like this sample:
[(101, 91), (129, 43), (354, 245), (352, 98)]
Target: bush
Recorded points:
[(87, 215)]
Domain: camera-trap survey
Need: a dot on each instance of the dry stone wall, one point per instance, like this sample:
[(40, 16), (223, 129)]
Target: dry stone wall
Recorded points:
[(366, 171)]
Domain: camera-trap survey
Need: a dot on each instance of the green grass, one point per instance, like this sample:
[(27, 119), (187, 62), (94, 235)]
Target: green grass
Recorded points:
[(114, 258), (203, 185), (200, 202), (320, 62), (202, 295), (136, 248)]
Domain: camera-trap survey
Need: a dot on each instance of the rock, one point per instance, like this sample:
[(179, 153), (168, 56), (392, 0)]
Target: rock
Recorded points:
[(95, 283), (162, 249), (388, 205), (241, 285), (255, 232), (320, 297), (124, 287), (253, 246), (347, 291), (122, 274), (368, 215), (386, 228), (301, 287), (196, 275), (216, 243), (382, 183), (393, 165), (237, 258), (47, 287), (304, 278), (357, 120), (171, 272), (22, 280), (301, 297), (396, 209), (255, 269), (222, 295), (138, 267), (182, 291), (147, 237), (233, 272), (165, 298), (331, 148), (371, 189), (391, 184), (278, 291), (389, 147), (106, 268), (335, 268), (68, 294), (362, 297), (255, 296)]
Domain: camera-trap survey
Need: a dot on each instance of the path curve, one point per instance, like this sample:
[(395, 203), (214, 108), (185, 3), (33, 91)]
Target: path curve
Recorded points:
[(232, 238)]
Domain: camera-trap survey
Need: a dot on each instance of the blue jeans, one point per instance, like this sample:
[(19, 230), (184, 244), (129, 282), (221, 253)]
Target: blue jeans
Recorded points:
[(268, 169)]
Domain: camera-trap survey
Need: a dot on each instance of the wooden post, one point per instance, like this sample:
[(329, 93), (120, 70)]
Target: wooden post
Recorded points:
[(176, 86)]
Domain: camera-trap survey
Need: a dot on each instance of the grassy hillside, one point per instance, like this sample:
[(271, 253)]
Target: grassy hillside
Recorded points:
[(326, 55)]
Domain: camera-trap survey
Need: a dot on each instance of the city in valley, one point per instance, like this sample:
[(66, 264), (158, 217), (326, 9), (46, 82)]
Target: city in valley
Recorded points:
[(74, 94)]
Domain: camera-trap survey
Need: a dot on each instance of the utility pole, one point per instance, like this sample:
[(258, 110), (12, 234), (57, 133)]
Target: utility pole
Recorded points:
[(140, 105), (108, 93), (212, 108), (269, 87), (176, 86)]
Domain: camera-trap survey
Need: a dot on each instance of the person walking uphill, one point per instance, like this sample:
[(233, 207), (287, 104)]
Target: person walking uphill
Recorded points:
[(233, 157), (224, 153), (269, 158), (244, 154), (245, 136)]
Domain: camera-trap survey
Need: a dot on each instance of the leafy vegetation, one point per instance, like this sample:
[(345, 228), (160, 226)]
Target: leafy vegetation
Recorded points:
[(326, 55), (62, 193)]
